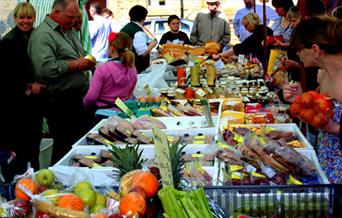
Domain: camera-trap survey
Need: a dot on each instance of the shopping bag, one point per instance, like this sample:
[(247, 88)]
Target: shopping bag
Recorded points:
[(154, 77)]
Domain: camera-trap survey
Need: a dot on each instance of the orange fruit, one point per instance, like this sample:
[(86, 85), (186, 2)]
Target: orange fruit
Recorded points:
[(295, 109), (297, 100), (147, 181), (314, 94), (70, 201), (307, 114), (321, 105), (157, 99), (142, 100), (101, 215), (29, 184), (131, 204), (307, 100), (319, 121), (150, 99)]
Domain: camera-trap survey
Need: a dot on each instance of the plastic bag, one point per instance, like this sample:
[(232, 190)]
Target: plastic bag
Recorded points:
[(154, 77)]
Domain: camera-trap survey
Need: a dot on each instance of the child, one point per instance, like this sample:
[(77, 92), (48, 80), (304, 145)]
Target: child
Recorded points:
[(174, 23), (114, 79)]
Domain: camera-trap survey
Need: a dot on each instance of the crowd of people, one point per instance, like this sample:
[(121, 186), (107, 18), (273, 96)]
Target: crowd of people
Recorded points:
[(47, 71)]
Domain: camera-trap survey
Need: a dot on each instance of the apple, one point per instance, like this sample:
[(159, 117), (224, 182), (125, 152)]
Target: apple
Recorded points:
[(88, 197), (50, 195), (81, 186), (97, 208), (20, 208), (90, 58), (41, 214), (45, 177), (100, 199)]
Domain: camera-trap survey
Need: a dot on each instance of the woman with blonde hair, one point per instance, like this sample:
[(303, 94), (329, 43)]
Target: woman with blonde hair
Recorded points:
[(20, 94), (114, 79), (252, 44)]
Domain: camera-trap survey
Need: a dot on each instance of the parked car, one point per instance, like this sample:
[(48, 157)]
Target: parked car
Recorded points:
[(159, 26)]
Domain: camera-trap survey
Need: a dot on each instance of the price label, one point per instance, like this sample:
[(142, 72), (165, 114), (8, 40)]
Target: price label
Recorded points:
[(147, 90), (241, 59), (162, 157), (124, 108), (201, 93), (219, 64)]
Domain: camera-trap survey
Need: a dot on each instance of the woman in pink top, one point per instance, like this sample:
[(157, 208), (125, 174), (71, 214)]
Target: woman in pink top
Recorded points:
[(114, 79)]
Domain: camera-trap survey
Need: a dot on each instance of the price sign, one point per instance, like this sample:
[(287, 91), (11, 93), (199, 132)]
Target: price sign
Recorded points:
[(147, 90), (162, 156), (124, 108)]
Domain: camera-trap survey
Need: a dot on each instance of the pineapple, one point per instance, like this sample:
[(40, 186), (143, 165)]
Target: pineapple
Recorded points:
[(177, 162), (126, 159)]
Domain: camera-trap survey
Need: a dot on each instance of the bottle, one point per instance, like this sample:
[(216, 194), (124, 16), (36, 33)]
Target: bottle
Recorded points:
[(211, 74), (181, 77), (195, 75)]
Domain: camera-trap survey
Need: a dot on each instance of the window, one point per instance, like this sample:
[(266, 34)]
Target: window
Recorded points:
[(185, 27), (161, 27)]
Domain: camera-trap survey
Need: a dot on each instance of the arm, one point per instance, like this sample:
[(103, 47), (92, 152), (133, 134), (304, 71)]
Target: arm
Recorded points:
[(332, 127), (139, 43), (226, 36), (194, 33), (236, 23), (225, 54)]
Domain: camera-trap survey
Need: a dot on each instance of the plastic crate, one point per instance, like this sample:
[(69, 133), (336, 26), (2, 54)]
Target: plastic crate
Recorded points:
[(278, 201)]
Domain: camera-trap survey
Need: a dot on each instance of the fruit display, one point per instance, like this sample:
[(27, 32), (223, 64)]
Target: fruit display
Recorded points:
[(313, 108)]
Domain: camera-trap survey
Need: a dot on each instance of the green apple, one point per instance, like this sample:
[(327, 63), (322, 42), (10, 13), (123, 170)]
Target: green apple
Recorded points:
[(49, 195), (88, 197), (45, 177), (97, 208), (100, 199), (82, 186), (90, 58)]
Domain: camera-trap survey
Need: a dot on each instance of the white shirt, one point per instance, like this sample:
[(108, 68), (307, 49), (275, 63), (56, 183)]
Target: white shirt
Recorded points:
[(240, 30), (140, 41)]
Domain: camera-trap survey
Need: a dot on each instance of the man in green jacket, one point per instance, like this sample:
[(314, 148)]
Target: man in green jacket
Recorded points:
[(57, 58)]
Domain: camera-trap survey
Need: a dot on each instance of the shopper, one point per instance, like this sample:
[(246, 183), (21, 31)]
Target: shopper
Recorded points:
[(251, 45), (99, 30), (282, 26), (174, 34), (318, 43), (57, 57), (22, 105), (142, 43), (240, 30), (114, 79), (211, 26), (109, 16)]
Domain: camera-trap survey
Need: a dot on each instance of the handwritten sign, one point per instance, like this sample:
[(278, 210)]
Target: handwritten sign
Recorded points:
[(124, 108), (162, 156)]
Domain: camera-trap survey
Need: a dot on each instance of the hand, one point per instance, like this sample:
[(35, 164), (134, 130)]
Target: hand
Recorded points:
[(331, 127), (216, 57), (34, 88), (291, 90), (289, 64), (153, 43), (85, 64)]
